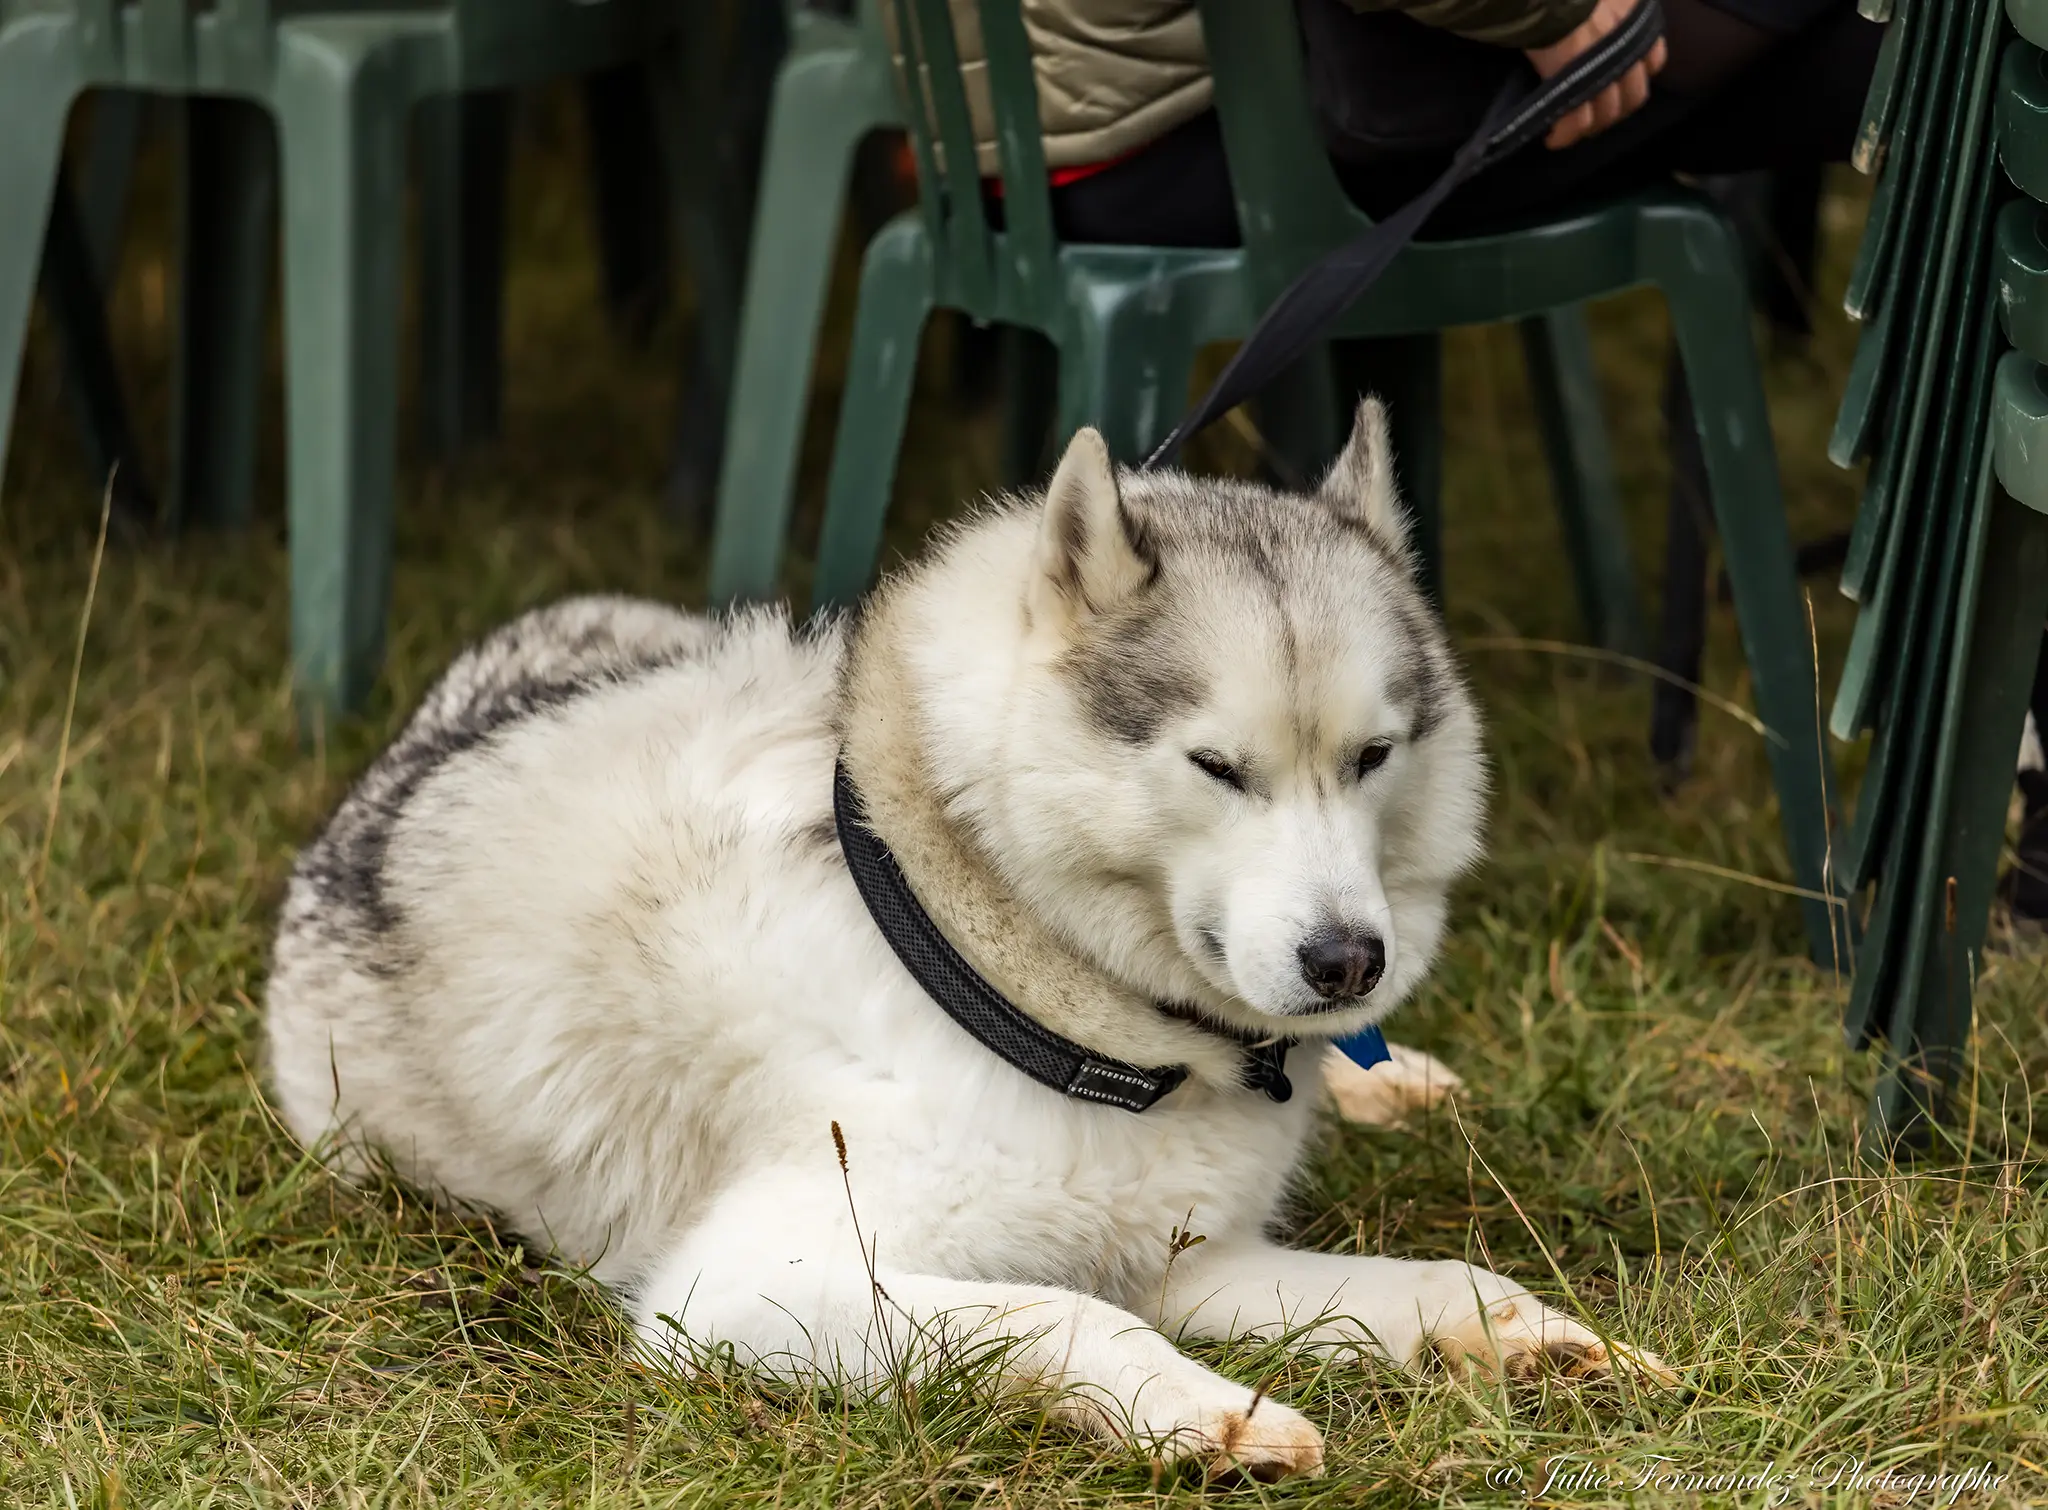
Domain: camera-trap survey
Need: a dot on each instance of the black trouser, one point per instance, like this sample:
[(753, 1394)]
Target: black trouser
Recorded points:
[(1735, 96)]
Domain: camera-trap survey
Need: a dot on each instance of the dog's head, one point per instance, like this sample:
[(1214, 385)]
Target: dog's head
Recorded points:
[(1241, 766)]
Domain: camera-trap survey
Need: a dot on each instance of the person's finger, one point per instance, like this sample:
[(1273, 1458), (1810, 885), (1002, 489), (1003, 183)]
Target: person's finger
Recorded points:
[(1570, 128), (1606, 109), (1635, 89), (1658, 53)]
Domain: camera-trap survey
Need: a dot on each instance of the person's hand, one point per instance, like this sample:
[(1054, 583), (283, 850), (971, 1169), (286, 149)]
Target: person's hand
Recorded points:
[(1618, 99)]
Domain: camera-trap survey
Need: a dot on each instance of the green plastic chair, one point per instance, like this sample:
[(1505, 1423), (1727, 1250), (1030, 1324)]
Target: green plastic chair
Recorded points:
[(1949, 555), (1128, 321), (462, 146), (340, 83), (675, 146)]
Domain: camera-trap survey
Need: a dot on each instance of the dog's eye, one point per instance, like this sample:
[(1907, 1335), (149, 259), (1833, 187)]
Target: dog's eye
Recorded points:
[(1217, 768), (1372, 757)]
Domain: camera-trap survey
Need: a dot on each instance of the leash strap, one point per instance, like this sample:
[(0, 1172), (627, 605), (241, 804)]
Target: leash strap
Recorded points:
[(1522, 112)]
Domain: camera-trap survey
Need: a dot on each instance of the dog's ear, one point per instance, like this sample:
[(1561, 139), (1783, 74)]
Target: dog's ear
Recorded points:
[(1090, 559), (1360, 487)]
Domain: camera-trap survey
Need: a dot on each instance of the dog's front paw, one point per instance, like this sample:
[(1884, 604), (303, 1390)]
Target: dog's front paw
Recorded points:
[(1255, 1436), (1389, 1094), (1522, 1336), (1501, 1328)]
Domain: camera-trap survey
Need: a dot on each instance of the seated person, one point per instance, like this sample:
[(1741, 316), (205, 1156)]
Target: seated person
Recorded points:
[(1136, 155)]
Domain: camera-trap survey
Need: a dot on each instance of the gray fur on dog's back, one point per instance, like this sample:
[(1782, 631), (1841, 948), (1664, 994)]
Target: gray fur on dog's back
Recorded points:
[(538, 663)]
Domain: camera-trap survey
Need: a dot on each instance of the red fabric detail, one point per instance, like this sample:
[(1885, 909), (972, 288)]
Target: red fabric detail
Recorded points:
[(1059, 178)]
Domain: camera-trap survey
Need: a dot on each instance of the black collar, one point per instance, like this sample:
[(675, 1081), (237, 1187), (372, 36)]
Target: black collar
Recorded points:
[(982, 1010)]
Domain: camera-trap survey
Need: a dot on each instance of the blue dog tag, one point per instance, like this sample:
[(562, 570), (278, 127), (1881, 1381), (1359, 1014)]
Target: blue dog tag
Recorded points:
[(1367, 1048)]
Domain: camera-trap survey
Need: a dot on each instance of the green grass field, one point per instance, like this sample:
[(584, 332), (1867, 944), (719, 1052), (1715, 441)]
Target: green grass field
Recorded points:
[(1661, 1117)]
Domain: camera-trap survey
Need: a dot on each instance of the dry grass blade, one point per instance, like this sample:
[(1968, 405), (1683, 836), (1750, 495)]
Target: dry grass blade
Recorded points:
[(1629, 662), (92, 587), (1724, 873)]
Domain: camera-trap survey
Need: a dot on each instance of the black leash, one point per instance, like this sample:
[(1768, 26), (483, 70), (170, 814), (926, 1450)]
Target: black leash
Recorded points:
[(1523, 111), (985, 1012)]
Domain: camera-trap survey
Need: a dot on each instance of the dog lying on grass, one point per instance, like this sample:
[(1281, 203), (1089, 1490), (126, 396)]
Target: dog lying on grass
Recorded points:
[(1017, 889)]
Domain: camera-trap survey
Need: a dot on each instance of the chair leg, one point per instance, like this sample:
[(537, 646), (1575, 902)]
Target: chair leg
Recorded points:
[(1302, 420), (341, 123), (1029, 373), (712, 108), (1418, 387), (36, 86), (1126, 371), (1928, 1033), (627, 194), (826, 100), (465, 146), (756, 50), (74, 297), (1407, 372), (881, 370), (1787, 296), (1696, 261), (1559, 354), (228, 221), (79, 264), (106, 170), (1675, 709)]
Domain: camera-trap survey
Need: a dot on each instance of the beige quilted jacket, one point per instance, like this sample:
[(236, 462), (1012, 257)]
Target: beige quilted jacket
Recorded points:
[(1115, 74)]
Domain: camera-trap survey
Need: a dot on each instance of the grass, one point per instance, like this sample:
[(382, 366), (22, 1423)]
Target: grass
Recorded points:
[(1660, 1104)]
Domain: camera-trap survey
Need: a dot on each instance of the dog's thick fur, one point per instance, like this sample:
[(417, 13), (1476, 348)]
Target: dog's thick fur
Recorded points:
[(581, 948)]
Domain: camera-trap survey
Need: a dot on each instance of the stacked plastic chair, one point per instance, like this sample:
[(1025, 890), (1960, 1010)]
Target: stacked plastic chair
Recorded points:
[(339, 83), (1949, 559)]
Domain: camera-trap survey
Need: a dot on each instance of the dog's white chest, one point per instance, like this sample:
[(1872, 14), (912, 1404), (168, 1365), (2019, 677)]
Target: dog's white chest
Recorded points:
[(983, 1172)]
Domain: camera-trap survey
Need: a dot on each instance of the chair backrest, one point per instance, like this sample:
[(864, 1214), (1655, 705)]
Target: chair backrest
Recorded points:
[(151, 42), (1289, 202), (175, 45), (186, 44), (987, 272)]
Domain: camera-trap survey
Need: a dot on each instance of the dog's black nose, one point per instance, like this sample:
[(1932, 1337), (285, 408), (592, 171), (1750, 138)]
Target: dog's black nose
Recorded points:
[(1338, 962)]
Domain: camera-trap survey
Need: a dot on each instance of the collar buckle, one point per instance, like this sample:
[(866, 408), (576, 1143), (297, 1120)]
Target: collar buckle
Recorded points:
[(1265, 1069)]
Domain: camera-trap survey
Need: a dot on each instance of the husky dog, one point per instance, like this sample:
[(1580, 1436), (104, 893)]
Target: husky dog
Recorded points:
[(583, 949)]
